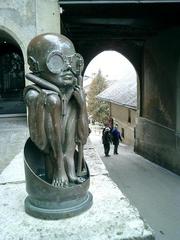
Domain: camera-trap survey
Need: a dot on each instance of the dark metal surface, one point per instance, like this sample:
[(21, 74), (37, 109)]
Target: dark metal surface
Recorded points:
[(45, 200), (57, 176)]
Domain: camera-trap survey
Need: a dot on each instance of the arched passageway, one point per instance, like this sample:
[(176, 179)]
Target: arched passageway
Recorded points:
[(12, 80), (120, 93)]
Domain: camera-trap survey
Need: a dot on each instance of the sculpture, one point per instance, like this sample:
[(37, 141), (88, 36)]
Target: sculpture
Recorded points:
[(58, 126)]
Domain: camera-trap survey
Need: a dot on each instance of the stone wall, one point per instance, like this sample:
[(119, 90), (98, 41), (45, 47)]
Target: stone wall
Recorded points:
[(158, 144), (157, 132)]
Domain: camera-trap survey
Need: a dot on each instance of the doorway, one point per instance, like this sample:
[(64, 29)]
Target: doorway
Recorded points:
[(12, 79)]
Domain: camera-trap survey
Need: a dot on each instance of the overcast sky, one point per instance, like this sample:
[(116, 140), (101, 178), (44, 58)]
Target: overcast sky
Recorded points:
[(112, 64)]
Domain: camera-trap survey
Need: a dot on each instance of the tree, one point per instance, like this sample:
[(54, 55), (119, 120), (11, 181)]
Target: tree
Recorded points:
[(99, 110)]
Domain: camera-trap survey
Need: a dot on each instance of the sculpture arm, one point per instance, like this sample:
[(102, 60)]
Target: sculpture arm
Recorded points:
[(42, 83), (35, 100), (82, 121)]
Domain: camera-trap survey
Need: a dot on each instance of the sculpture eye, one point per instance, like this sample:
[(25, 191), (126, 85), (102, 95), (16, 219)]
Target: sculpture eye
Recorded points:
[(77, 62), (55, 63), (80, 61)]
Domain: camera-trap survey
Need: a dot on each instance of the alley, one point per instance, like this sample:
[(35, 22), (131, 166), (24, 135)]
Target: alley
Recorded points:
[(153, 190)]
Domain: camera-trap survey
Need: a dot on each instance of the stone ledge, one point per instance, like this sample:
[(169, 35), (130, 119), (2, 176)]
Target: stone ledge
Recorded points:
[(111, 216)]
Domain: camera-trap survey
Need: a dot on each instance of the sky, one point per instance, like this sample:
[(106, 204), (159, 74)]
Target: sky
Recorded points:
[(113, 65)]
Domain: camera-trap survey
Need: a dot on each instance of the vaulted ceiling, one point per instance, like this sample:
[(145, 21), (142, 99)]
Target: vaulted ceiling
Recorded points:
[(137, 20)]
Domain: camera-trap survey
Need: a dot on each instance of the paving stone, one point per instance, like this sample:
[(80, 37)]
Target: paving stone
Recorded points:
[(111, 216)]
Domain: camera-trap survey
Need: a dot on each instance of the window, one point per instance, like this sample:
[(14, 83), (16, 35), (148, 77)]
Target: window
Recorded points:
[(129, 115), (122, 132)]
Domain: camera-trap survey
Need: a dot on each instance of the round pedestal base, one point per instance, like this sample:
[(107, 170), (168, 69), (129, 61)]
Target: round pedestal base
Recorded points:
[(55, 211)]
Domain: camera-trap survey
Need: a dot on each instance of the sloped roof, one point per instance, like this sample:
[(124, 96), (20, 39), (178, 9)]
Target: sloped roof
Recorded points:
[(123, 92)]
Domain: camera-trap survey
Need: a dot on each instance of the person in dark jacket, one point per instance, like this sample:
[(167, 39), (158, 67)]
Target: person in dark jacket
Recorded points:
[(106, 140), (116, 137)]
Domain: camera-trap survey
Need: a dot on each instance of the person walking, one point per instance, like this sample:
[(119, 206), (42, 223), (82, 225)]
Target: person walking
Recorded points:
[(116, 137), (106, 140)]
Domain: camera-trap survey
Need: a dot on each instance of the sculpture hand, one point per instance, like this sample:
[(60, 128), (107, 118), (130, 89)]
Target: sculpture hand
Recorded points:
[(79, 96)]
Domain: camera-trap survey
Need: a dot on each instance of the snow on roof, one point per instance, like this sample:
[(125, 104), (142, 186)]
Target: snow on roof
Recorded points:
[(123, 92)]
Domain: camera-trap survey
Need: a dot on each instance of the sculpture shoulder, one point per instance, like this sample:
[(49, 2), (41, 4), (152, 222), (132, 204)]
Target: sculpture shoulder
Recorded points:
[(31, 87)]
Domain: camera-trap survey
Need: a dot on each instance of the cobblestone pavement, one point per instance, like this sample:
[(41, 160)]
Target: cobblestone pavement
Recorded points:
[(13, 134)]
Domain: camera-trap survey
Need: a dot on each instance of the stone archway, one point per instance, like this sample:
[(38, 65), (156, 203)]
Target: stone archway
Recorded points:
[(121, 90), (12, 80)]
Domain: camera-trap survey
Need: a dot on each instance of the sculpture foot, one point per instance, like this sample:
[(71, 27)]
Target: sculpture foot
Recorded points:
[(60, 181), (81, 179), (75, 179)]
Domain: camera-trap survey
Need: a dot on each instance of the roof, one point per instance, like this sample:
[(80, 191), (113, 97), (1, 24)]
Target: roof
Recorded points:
[(123, 92)]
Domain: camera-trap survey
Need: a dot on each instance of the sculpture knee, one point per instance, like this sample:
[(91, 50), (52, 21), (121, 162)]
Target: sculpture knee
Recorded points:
[(53, 102), (31, 97)]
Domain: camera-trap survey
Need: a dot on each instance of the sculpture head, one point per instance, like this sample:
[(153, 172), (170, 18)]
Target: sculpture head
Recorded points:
[(53, 57)]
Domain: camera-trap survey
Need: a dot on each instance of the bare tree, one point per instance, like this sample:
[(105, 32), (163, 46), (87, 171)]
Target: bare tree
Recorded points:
[(99, 110)]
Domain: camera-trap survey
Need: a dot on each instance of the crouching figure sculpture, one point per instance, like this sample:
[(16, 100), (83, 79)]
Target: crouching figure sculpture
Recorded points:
[(57, 176)]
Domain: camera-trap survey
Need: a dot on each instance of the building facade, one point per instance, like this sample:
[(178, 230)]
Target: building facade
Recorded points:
[(122, 97), (126, 119)]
